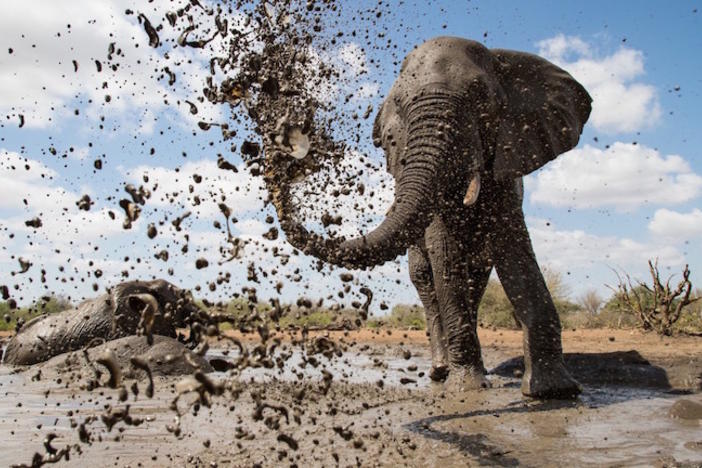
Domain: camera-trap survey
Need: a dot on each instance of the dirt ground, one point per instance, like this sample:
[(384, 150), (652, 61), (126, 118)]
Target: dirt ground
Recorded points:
[(380, 410)]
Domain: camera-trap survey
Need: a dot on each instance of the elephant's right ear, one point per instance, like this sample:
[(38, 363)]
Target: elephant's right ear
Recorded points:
[(138, 302), (543, 114)]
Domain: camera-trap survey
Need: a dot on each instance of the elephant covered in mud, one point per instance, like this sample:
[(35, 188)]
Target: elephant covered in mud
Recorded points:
[(135, 307), (460, 126)]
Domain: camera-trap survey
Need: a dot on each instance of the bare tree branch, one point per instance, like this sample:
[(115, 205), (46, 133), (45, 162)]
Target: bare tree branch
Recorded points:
[(664, 307)]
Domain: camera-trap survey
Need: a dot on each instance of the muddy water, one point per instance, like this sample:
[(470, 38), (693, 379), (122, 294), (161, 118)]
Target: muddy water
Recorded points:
[(415, 425), (354, 368)]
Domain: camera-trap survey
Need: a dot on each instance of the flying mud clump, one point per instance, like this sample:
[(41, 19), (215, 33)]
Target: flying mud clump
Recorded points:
[(274, 74), (274, 82)]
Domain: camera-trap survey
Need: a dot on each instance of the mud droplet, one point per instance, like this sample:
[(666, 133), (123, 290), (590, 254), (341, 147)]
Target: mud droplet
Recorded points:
[(34, 222), (193, 107), (109, 360), (84, 203), (346, 277), (225, 165), (150, 31), (292, 443), (25, 265), (151, 231), (250, 149)]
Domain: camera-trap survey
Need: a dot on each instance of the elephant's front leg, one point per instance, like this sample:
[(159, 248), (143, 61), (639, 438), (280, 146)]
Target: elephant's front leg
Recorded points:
[(545, 375), (421, 275), (448, 258)]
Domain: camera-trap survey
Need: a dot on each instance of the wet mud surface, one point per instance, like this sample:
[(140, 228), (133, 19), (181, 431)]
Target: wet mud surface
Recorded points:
[(405, 420), (319, 399)]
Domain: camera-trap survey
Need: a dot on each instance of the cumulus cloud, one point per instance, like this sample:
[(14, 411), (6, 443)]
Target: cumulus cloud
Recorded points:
[(52, 64), (675, 225), (29, 189), (623, 176), (199, 186), (568, 249), (621, 103)]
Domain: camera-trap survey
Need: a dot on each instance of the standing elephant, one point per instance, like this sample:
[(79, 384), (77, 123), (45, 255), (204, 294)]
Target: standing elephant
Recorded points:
[(460, 126), (149, 307)]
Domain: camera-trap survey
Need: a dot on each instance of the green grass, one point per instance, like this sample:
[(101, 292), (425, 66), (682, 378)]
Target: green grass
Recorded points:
[(46, 305), (495, 311)]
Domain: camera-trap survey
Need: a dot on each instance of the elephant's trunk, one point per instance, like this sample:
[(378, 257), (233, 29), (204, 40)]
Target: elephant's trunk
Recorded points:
[(431, 123)]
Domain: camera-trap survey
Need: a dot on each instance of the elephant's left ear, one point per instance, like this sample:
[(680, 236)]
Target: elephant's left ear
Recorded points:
[(543, 114)]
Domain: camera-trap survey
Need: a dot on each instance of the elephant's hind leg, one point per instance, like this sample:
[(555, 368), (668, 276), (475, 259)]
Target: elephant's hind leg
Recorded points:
[(545, 374), (422, 278)]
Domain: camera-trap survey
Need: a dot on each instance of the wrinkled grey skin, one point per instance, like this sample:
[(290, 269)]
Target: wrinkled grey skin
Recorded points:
[(166, 356), (458, 110), (113, 315)]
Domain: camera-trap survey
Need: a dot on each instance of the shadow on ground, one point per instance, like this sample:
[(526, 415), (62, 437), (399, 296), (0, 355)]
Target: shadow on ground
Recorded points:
[(608, 378), (621, 368)]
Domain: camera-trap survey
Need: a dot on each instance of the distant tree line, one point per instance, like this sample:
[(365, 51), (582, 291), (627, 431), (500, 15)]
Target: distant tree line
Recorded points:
[(659, 306)]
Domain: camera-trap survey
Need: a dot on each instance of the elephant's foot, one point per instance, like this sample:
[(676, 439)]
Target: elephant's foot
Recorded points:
[(439, 373), (552, 380), (467, 378)]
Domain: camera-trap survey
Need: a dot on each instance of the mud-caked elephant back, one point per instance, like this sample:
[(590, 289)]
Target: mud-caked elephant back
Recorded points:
[(543, 114)]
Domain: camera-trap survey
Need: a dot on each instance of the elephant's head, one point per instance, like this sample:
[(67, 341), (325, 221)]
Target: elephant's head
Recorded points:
[(159, 304), (458, 110)]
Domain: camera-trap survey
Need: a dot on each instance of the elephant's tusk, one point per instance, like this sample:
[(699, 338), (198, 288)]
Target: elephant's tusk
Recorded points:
[(473, 191)]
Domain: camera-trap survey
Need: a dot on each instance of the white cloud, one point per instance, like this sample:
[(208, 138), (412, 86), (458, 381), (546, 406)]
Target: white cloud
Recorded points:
[(38, 78), (243, 192), (350, 63), (20, 176), (29, 189), (674, 225), (624, 176), (352, 55), (620, 104), (569, 249), (561, 46), (251, 227)]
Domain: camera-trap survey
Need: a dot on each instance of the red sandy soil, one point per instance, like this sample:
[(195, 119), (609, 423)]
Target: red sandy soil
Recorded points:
[(578, 341), (586, 340)]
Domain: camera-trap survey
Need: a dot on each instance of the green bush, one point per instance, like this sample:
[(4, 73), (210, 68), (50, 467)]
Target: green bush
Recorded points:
[(407, 317), (46, 305), (292, 315), (495, 309)]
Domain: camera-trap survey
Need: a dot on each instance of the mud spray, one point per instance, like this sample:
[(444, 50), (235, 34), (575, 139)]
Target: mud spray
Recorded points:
[(271, 71)]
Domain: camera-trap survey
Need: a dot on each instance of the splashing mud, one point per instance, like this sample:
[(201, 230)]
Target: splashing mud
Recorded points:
[(244, 387)]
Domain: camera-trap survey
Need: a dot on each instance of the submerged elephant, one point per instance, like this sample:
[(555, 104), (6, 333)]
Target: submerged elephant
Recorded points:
[(148, 307), (460, 126)]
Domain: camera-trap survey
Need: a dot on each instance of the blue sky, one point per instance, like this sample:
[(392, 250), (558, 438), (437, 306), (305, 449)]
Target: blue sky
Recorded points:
[(632, 190)]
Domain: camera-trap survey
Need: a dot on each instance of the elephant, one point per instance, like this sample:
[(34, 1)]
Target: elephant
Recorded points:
[(460, 126), (164, 356), (422, 277), (150, 307)]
